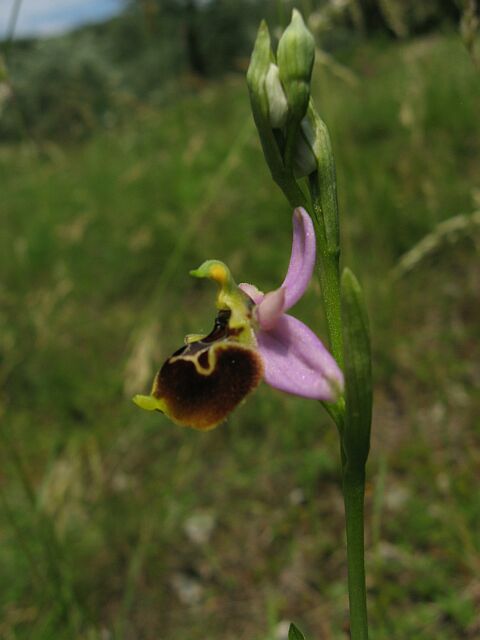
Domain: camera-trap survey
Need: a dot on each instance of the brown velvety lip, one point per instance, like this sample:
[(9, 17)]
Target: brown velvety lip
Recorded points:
[(203, 400)]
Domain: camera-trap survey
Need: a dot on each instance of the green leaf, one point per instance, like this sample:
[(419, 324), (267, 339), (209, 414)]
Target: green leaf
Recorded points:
[(358, 373), (294, 633)]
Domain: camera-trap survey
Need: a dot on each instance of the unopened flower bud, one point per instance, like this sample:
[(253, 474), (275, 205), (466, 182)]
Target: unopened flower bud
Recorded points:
[(277, 101), (295, 55), (259, 66), (271, 111)]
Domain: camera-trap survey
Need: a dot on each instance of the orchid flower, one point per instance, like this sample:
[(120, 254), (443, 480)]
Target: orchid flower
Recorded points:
[(252, 338)]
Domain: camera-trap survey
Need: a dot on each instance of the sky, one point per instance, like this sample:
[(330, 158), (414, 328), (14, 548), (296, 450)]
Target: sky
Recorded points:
[(49, 17)]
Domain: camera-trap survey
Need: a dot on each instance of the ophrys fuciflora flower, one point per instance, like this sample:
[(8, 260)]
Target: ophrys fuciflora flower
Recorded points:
[(252, 338)]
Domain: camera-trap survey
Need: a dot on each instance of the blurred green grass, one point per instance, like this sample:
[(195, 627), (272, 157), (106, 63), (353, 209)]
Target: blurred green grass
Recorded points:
[(115, 523)]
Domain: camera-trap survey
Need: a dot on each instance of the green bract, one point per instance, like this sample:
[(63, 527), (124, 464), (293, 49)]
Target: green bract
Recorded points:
[(358, 373)]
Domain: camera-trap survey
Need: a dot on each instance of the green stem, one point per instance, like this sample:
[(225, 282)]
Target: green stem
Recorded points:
[(353, 495)]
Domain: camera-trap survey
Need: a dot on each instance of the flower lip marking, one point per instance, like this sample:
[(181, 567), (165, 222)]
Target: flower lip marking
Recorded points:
[(203, 381)]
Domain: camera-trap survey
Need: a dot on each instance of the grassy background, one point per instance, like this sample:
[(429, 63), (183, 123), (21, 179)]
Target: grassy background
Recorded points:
[(115, 523)]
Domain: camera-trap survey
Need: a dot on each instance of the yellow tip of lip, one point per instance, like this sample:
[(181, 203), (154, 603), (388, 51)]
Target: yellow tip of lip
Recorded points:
[(149, 403)]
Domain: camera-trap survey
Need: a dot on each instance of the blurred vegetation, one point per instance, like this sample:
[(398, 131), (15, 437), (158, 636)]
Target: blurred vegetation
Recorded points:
[(68, 86), (116, 524)]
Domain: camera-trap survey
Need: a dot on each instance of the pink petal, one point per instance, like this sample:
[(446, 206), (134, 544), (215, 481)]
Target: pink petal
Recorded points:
[(271, 308), (297, 362), (302, 259), (252, 292)]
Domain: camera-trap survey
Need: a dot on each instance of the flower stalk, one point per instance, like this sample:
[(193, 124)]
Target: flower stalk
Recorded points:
[(297, 145), (353, 495)]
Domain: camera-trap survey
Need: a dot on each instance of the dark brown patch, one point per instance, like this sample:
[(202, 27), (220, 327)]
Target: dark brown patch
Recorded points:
[(203, 359), (202, 401)]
